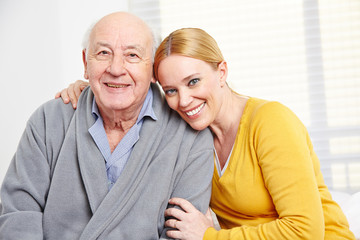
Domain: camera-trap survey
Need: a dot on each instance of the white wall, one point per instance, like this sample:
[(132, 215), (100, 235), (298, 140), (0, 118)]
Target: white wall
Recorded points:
[(40, 54)]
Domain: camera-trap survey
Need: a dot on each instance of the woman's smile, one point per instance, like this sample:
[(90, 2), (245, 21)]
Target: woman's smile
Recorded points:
[(194, 112)]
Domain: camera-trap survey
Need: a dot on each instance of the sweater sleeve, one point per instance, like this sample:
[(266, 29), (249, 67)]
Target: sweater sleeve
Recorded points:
[(24, 188), (282, 146)]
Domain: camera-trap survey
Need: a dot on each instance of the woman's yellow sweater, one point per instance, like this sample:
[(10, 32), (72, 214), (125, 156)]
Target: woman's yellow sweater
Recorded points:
[(272, 187)]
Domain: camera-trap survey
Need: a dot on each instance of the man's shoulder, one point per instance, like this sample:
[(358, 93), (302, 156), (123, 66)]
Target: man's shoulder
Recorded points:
[(55, 107), (52, 111)]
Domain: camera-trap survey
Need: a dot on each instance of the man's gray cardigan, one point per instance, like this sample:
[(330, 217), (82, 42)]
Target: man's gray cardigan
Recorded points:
[(56, 185)]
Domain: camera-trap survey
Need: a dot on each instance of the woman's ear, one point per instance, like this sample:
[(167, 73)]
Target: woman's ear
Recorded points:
[(223, 72), (86, 76)]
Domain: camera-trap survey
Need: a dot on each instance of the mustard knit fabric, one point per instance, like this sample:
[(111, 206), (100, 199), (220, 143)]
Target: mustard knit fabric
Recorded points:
[(273, 187)]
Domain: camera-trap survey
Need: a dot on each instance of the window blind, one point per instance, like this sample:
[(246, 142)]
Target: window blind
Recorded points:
[(304, 54)]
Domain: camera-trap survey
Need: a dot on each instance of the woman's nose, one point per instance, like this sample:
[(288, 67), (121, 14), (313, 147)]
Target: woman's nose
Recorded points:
[(185, 99)]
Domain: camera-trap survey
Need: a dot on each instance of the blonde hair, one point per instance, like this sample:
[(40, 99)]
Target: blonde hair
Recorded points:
[(189, 42)]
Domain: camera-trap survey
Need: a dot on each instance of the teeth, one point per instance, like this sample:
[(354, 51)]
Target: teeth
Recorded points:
[(115, 86), (195, 111)]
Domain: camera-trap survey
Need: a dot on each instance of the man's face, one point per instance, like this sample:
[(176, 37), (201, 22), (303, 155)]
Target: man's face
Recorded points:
[(118, 63)]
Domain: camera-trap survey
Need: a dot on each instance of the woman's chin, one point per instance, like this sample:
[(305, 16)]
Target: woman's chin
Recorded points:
[(197, 126), (196, 122)]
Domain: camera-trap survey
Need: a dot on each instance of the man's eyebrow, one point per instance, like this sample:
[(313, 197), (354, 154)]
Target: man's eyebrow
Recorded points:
[(136, 47), (103, 44), (133, 46)]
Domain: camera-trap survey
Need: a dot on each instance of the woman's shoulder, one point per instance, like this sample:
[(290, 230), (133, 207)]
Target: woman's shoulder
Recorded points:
[(261, 107), (266, 112)]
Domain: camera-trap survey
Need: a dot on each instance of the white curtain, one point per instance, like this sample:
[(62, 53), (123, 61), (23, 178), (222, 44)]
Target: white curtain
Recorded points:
[(305, 54)]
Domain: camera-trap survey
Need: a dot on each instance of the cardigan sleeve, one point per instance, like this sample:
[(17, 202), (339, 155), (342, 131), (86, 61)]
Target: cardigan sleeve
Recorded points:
[(284, 153), (24, 188), (194, 183), (27, 181)]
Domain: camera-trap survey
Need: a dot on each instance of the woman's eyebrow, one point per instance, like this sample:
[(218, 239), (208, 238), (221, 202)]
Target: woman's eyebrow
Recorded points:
[(193, 75)]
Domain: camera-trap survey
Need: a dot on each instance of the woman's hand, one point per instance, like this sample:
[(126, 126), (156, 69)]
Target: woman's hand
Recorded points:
[(72, 92), (190, 223)]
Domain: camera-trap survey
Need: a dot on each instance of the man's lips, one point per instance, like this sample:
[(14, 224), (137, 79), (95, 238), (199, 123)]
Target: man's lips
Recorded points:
[(116, 85)]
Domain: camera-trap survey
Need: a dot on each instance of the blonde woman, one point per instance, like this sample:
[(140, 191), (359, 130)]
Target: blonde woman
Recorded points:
[(267, 182)]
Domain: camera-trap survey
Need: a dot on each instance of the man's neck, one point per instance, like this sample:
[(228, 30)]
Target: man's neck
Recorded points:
[(117, 125)]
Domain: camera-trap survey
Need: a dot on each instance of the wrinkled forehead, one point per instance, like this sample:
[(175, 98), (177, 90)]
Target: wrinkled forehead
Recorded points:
[(119, 33)]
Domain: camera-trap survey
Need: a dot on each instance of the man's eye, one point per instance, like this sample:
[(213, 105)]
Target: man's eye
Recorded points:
[(103, 55), (192, 82), (133, 57), (103, 52)]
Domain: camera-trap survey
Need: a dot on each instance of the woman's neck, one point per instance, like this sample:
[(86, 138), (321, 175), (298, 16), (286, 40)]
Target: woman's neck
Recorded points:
[(226, 124)]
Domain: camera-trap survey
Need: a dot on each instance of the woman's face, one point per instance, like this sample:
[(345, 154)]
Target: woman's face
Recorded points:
[(192, 88)]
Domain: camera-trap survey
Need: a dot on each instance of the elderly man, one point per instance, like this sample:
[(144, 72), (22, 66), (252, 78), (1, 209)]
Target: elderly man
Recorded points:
[(107, 169)]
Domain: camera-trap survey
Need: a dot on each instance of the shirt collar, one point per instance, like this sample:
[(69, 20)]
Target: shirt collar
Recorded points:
[(146, 109)]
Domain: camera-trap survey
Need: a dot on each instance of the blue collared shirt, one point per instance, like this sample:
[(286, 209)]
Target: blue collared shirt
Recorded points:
[(116, 161)]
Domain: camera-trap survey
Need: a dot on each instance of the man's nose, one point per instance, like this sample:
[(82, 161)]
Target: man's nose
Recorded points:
[(116, 66)]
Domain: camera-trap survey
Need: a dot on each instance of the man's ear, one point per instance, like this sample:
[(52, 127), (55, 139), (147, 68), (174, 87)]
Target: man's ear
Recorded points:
[(223, 71), (86, 76), (153, 80)]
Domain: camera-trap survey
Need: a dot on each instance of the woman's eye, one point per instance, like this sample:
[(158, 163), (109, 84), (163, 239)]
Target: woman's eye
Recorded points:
[(193, 81), (170, 92)]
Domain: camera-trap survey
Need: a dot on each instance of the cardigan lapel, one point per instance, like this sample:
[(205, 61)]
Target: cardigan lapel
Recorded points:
[(91, 161), (125, 191)]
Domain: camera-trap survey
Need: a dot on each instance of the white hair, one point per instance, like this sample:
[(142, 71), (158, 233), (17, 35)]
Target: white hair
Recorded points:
[(155, 39), (86, 37)]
